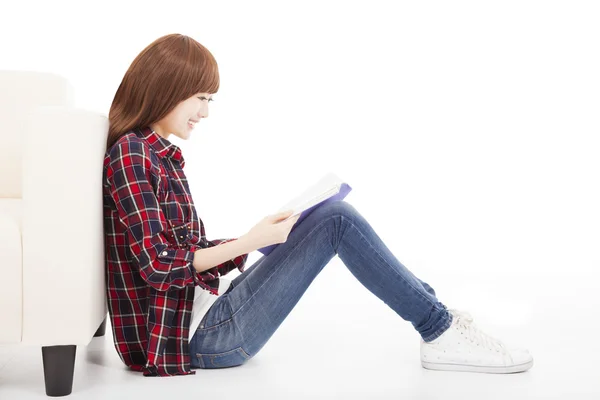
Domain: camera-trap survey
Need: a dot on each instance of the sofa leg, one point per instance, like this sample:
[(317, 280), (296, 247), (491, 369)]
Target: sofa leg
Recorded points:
[(59, 366), (102, 329)]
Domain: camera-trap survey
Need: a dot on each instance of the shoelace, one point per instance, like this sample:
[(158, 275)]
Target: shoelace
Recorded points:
[(465, 321)]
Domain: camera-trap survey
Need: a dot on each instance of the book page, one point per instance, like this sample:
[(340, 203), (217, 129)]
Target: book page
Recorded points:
[(327, 186)]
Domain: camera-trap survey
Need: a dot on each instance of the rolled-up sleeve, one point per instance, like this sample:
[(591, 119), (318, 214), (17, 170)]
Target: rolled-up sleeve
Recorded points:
[(133, 186)]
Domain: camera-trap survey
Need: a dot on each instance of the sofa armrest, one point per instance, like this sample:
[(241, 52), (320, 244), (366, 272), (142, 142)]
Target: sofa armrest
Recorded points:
[(20, 92), (64, 289)]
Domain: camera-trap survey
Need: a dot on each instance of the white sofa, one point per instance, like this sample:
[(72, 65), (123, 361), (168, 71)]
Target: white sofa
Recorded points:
[(51, 226)]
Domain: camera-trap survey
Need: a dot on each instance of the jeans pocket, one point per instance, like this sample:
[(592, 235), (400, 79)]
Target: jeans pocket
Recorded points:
[(218, 314), (231, 358)]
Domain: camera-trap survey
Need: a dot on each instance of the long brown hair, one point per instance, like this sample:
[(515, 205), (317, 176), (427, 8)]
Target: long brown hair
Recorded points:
[(169, 70)]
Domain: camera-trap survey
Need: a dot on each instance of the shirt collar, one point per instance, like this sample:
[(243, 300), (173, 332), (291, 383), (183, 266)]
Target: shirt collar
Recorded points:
[(162, 146)]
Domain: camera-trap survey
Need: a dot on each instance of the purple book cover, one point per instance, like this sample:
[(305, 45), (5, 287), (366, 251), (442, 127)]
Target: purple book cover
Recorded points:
[(344, 190)]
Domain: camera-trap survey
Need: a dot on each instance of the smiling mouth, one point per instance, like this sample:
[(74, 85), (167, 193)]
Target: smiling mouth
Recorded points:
[(192, 123)]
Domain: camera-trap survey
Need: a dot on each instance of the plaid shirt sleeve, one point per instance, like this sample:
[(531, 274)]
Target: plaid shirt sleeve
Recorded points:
[(133, 186)]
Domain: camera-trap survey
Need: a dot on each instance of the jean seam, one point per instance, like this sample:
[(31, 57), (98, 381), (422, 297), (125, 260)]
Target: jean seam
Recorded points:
[(237, 349)]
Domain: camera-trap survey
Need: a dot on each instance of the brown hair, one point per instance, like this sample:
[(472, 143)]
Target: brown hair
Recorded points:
[(171, 69)]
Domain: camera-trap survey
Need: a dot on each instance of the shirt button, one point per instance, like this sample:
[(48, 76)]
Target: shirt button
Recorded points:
[(164, 253)]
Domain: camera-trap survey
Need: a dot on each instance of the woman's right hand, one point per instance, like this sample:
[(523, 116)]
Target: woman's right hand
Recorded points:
[(270, 230)]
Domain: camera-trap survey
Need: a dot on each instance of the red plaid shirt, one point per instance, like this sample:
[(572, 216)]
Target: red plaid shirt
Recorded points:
[(151, 232)]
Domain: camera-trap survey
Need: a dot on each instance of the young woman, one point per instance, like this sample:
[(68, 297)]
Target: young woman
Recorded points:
[(170, 308)]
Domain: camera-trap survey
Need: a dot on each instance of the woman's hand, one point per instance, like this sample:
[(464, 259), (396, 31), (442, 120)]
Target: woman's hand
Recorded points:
[(270, 230)]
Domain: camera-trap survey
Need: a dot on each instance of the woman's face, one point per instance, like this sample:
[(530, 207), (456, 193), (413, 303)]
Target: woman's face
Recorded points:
[(183, 118)]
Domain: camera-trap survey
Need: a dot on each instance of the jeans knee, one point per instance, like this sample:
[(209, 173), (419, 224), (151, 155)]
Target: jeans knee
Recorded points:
[(340, 207)]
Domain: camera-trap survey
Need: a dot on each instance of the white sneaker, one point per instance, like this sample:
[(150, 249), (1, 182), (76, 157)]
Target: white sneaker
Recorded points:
[(463, 347)]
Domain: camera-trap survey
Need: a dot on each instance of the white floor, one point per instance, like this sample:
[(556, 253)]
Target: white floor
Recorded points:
[(352, 346)]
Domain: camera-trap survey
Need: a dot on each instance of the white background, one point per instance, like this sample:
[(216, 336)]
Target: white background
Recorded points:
[(469, 133)]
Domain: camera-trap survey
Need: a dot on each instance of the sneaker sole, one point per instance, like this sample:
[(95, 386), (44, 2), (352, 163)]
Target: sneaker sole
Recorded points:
[(477, 368)]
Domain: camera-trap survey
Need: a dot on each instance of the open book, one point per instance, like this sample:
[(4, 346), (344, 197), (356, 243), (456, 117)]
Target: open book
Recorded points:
[(327, 189)]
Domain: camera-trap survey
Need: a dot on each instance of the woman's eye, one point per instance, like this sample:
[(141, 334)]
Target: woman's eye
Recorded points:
[(204, 98)]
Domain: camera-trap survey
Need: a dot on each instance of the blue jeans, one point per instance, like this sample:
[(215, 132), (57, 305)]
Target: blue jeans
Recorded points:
[(243, 319)]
